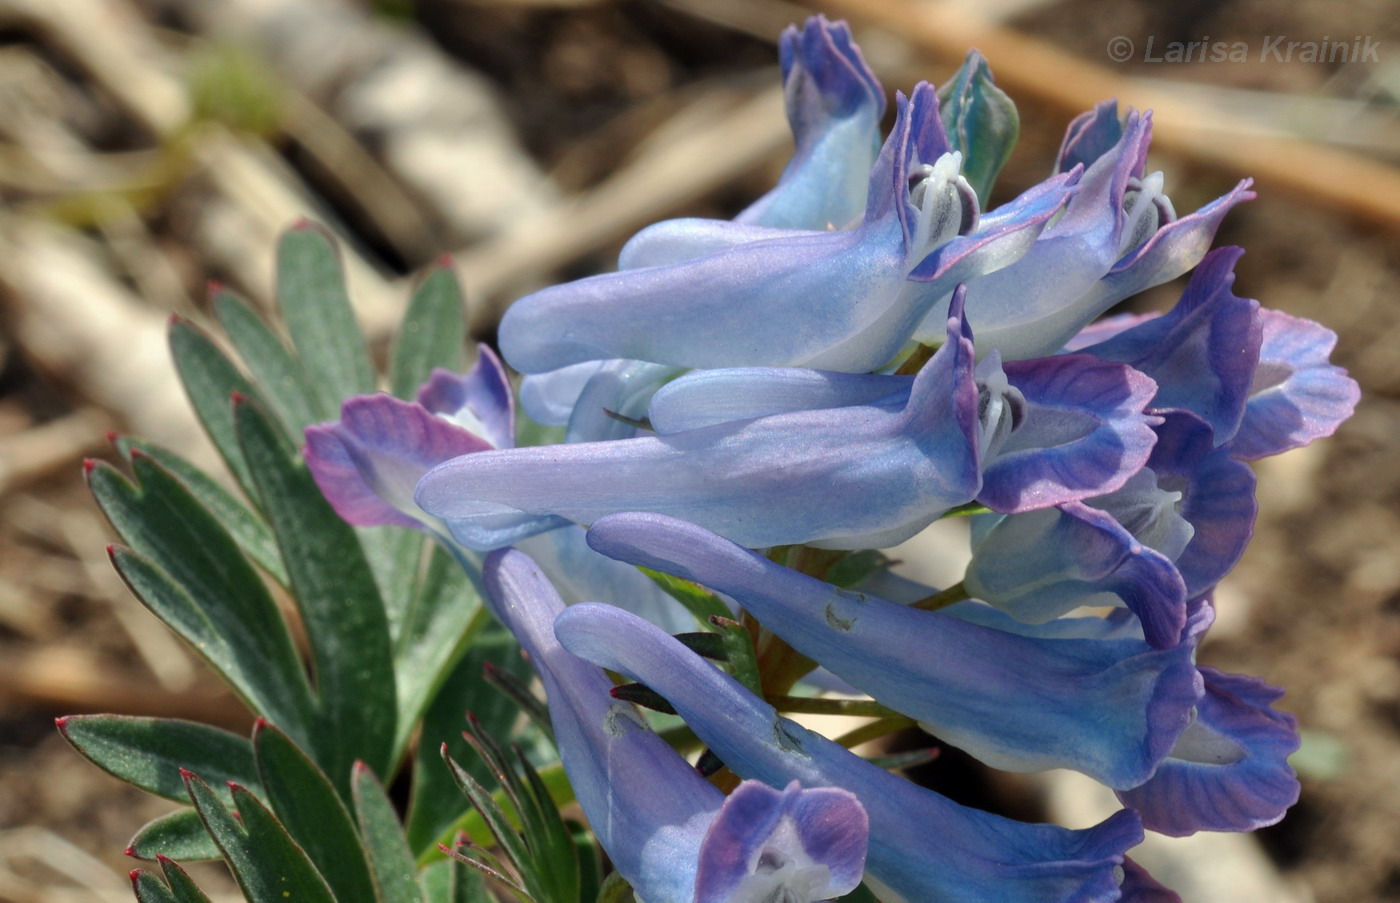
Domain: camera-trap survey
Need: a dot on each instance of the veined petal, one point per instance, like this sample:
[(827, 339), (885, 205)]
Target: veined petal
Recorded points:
[(1028, 309), (1229, 771), (479, 400), (649, 809), (709, 397), (687, 238), (794, 846), (621, 388), (1297, 395), (368, 462), (1084, 433), (548, 398), (1090, 136), (780, 301), (834, 104), (1043, 564), (1217, 498), (1203, 353), (860, 476), (922, 846), (1110, 709), (1173, 249)]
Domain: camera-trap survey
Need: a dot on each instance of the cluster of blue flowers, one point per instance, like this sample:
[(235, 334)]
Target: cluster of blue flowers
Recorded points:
[(860, 353)]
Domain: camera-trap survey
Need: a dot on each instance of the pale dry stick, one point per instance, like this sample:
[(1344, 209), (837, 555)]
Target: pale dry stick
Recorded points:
[(700, 148), (62, 679), (44, 449), (106, 38), (1032, 70), (83, 876)]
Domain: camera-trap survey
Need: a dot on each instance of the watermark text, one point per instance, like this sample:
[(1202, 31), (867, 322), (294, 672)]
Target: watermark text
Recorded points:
[(1268, 49)]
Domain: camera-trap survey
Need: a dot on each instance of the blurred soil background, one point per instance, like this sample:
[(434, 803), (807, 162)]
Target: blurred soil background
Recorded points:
[(149, 146)]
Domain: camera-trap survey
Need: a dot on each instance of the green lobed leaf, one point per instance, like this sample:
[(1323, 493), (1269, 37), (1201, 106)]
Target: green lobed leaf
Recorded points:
[(211, 380), (188, 571), (306, 804), (181, 884), (267, 864), (150, 889), (981, 122), (444, 616), (435, 805), (178, 887), (433, 333), (179, 835), (511, 845), (246, 527), (273, 367), (449, 881), (316, 307), (555, 855), (339, 604), (390, 859), (150, 752)]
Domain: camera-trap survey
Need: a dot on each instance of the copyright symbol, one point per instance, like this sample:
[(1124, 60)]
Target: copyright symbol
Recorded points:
[(1120, 49)]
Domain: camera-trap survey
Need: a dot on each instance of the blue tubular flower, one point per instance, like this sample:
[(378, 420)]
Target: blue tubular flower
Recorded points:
[(368, 462), (1297, 395), (1049, 431), (1203, 353), (1059, 428), (860, 476), (668, 831), (1109, 709), (923, 847), (618, 389), (1170, 533), (834, 104), (792, 846), (1229, 771), (1119, 236), (1043, 564), (838, 300)]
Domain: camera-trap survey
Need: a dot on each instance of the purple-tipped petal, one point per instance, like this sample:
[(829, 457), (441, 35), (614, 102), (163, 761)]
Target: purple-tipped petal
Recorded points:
[(1089, 136), (1031, 307), (922, 846), (794, 845), (1110, 709), (834, 104), (1203, 353), (1229, 771), (1084, 433), (368, 462), (1297, 395), (1217, 498), (479, 400), (1043, 564)]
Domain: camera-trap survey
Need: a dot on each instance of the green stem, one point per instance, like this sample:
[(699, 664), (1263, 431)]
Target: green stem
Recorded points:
[(874, 730), (955, 593), (809, 705)]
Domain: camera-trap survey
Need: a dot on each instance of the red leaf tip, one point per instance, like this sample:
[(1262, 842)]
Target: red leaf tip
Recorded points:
[(213, 287), (361, 767), (111, 551), (61, 722), (137, 453), (134, 874), (302, 223), (445, 261), (237, 397), (130, 851), (163, 859), (260, 724), (88, 465), (112, 435)]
